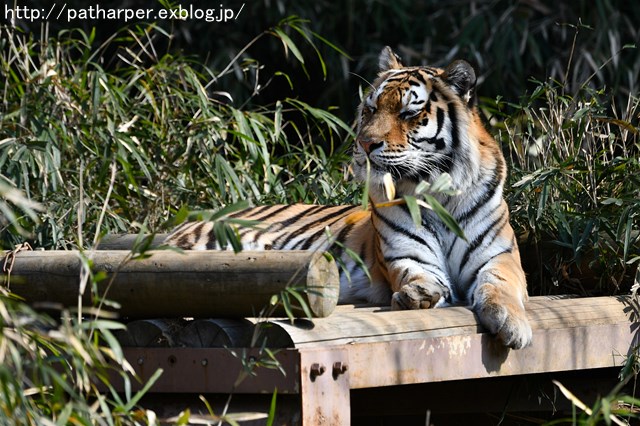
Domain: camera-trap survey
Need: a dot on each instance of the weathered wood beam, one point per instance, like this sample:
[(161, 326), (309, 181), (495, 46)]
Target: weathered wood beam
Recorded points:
[(388, 348), (350, 324), (189, 284), (569, 334), (127, 241)]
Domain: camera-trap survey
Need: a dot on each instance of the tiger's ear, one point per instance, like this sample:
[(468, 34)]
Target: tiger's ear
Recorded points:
[(462, 79), (388, 60)]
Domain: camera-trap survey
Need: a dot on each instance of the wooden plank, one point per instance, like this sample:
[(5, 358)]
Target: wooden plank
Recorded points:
[(212, 370), (479, 356), (387, 348), (569, 335), (355, 325), (171, 284)]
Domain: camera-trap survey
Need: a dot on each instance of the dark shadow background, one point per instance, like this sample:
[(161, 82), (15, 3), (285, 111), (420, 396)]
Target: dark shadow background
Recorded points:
[(509, 42)]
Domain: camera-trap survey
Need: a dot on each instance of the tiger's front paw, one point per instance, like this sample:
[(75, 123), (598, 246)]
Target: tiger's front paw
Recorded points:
[(507, 320), (420, 294)]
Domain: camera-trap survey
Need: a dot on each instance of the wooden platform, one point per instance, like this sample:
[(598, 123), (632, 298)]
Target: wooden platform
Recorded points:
[(326, 359), (329, 368)]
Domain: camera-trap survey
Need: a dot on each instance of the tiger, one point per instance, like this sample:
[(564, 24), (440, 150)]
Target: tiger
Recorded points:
[(414, 124)]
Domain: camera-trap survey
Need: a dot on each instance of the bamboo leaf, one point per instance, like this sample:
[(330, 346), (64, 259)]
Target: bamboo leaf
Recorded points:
[(136, 398), (272, 408), (302, 302), (389, 186), (414, 210), (289, 44), (445, 216)]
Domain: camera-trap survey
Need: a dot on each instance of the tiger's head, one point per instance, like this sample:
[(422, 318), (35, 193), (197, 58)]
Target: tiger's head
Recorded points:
[(418, 122)]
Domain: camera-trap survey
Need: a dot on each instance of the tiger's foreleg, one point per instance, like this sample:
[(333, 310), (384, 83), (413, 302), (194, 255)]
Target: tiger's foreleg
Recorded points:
[(498, 300), (417, 285), (410, 259)]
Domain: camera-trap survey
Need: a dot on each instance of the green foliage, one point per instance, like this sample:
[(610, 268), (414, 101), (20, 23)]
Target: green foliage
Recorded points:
[(574, 180), (51, 372), (611, 409), (92, 143), (616, 407), (104, 132), (145, 133), (507, 41)]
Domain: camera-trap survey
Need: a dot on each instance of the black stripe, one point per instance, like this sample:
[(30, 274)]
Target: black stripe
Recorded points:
[(313, 238), (245, 230), (480, 238), (424, 221), (212, 240), (438, 142), (451, 247), (306, 212), (396, 77), (337, 250), (183, 241), (440, 120), (274, 212), (397, 228), (427, 109), (310, 225), (489, 188), (283, 223), (474, 275), (379, 234), (413, 259), (255, 210), (445, 164), (268, 213), (453, 117), (292, 220), (404, 275)]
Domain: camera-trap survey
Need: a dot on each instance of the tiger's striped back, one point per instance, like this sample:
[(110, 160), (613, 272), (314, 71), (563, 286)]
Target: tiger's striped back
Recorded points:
[(304, 227)]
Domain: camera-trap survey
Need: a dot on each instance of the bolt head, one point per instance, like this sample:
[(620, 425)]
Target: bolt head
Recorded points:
[(316, 370), (339, 368)]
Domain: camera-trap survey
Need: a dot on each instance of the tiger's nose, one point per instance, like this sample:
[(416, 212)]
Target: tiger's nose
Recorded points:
[(369, 144)]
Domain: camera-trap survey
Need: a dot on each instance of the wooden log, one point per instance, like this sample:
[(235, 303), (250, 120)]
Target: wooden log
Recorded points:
[(190, 284), (127, 241), (216, 333), (151, 333)]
